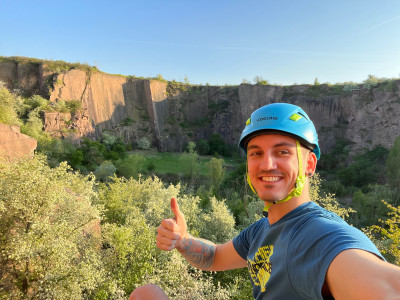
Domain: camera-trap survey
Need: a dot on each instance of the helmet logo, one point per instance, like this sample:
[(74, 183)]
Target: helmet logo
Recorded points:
[(267, 118)]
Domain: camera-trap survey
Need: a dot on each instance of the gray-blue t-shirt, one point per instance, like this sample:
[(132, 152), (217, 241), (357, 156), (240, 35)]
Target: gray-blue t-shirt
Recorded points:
[(289, 259)]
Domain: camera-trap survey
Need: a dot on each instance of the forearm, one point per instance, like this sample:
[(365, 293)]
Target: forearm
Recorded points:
[(198, 252)]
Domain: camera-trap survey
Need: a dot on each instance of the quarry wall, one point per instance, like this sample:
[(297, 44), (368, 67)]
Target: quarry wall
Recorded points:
[(172, 114)]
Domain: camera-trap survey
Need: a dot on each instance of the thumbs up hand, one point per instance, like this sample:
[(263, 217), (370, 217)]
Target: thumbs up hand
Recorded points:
[(172, 231)]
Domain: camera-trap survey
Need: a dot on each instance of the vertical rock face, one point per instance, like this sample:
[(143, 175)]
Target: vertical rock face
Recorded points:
[(21, 76), (172, 114), (14, 144)]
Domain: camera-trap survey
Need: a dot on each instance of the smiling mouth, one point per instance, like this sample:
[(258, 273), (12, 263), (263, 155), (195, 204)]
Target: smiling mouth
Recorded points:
[(270, 178)]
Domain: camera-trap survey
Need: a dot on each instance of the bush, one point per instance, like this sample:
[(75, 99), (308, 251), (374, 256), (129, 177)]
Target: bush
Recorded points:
[(105, 170), (143, 143), (218, 145), (8, 108), (47, 231), (202, 147), (131, 166)]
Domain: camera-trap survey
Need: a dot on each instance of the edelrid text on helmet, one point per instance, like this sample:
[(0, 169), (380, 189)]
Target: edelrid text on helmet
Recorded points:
[(284, 118)]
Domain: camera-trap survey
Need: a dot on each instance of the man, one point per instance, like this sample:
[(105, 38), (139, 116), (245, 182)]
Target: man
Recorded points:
[(299, 250)]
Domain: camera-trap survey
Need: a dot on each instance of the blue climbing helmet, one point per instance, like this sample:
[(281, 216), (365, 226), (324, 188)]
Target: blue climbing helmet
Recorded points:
[(282, 118)]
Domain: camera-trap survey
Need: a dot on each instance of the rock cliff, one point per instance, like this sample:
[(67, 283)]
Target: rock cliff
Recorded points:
[(171, 114), (14, 144)]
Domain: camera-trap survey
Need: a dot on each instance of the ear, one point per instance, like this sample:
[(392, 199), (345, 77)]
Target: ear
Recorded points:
[(311, 163)]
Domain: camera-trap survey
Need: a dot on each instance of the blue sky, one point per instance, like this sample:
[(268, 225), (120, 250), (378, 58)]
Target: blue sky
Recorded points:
[(215, 42)]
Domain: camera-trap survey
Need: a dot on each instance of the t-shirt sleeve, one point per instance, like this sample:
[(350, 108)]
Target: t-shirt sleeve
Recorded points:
[(311, 252), (242, 242)]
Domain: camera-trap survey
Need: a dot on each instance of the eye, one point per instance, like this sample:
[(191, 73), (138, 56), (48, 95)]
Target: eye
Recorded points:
[(283, 152), (254, 153)]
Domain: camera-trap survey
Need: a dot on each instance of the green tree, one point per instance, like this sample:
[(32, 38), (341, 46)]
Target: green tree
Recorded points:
[(131, 166), (202, 147), (190, 161), (133, 210), (387, 236), (259, 80), (105, 170), (327, 201), (216, 173), (218, 145), (369, 206), (393, 165), (49, 232), (144, 143)]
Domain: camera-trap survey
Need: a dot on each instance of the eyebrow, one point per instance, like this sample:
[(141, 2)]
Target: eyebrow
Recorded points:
[(283, 144)]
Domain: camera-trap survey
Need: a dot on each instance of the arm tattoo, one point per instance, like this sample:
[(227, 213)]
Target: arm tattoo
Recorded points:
[(198, 252)]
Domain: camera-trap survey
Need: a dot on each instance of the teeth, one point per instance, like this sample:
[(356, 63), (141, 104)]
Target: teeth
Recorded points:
[(269, 179)]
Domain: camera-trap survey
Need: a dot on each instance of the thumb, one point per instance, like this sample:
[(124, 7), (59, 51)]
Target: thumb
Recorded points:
[(175, 209)]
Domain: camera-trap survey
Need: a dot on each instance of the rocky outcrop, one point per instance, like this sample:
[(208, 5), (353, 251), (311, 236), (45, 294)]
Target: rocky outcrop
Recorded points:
[(14, 144), (172, 114), (69, 125)]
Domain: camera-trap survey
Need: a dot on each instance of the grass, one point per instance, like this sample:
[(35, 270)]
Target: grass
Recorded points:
[(169, 163)]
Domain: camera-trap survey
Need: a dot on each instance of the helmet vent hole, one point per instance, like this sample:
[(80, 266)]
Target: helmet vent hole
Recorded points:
[(303, 115)]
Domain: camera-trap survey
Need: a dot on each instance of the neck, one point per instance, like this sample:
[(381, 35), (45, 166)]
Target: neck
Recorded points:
[(279, 210)]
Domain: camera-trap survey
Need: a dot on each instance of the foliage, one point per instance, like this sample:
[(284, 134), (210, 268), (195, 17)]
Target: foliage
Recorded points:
[(133, 210), (259, 80), (218, 107), (350, 87), (218, 225), (56, 66), (327, 201), (48, 231), (218, 145), (388, 236), (369, 206), (202, 147), (365, 170), (190, 161), (372, 81), (8, 107), (74, 105), (34, 128), (131, 166), (36, 101), (216, 173), (105, 170), (393, 164), (143, 143)]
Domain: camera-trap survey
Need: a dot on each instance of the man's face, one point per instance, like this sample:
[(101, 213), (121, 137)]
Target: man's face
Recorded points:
[(272, 165)]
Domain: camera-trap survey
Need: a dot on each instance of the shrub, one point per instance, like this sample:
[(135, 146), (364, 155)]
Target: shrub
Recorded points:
[(8, 108), (143, 143), (131, 166), (47, 232), (105, 170)]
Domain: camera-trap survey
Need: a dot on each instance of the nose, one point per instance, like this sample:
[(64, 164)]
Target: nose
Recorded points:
[(267, 163)]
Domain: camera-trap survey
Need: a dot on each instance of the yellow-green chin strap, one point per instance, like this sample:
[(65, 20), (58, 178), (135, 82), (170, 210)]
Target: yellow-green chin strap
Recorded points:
[(298, 187)]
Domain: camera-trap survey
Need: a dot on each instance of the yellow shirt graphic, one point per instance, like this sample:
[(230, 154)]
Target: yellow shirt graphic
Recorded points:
[(260, 268)]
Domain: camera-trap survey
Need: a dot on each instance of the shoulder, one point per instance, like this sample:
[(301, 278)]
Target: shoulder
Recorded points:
[(322, 228), (243, 241), (315, 242)]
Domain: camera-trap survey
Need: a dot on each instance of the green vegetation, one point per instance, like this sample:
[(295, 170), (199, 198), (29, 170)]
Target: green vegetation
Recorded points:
[(56, 66), (219, 107), (52, 207), (260, 81)]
